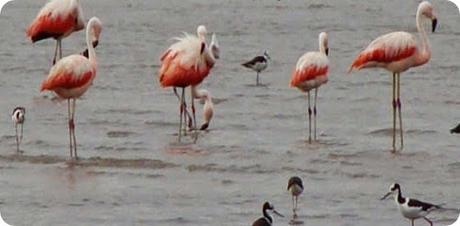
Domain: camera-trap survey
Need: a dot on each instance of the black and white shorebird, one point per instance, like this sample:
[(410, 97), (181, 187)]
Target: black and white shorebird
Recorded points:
[(295, 187), (411, 209), (258, 64), (18, 118), (456, 129), (267, 219)]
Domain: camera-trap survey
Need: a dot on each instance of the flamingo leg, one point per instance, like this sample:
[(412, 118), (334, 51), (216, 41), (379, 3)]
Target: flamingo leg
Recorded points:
[(398, 102), (178, 98), (257, 79), (293, 207), (73, 129), (60, 49), (394, 113), (314, 114), (309, 118), (181, 113), (195, 132), (17, 138), (431, 223), (70, 127), (193, 110), (55, 52), (185, 115), (412, 222)]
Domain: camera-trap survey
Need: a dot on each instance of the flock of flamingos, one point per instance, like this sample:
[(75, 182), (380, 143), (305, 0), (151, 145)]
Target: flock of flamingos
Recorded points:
[(188, 61)]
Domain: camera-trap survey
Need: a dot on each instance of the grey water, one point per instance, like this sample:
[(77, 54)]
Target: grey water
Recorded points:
[(133, 170)]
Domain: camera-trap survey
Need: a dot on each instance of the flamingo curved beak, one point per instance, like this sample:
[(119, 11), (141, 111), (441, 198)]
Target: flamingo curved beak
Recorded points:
[(434, 23), (203, 46), (327, 51)]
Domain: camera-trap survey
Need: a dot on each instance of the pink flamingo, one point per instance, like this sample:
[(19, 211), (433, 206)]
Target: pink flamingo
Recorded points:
[(397, 52), (57, 19), (71, 77), (186, 63), (310, 73)]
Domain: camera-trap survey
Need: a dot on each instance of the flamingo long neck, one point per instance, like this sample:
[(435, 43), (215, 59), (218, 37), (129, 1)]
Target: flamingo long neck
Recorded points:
[(89, 44), (210, 58), (425, 53), (208, 106), (200, 94), (322, 45)]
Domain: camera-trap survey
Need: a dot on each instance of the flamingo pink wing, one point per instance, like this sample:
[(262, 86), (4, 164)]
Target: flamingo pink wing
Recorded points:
[(308, 67), (54, 20), (388, 48), (71, 72), (182, 64)]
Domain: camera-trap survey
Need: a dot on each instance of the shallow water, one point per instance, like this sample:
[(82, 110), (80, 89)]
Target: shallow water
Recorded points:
[(133, 171)]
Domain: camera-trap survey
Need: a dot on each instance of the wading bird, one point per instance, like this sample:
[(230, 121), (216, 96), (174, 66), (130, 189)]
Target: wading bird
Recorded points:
[(18, 116), (57, 19), (295, 187), (411, 209), (267, 219), (71, 77), (397, 52), (186, 63), (310, 73), (258, 64)]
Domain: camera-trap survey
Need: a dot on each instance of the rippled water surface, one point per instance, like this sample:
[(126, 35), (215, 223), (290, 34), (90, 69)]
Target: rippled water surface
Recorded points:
[(133, 170)]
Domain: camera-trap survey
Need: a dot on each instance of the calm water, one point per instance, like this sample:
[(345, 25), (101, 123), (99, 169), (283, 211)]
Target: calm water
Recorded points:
[(135, 173)]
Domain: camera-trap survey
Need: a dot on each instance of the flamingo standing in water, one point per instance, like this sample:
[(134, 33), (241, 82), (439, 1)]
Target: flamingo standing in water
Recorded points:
[(202, 94), (57, 19), (310, 73), (71, 76), (19, 117), (186, 63), (397, 52)]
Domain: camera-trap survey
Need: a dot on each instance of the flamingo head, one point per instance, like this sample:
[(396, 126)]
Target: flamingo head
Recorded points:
[(426, 9), (323, 43), (96, 31), (201, 32), (215, 46)]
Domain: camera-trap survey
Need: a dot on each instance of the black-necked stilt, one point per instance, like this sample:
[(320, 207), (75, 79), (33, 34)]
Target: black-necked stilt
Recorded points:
[(267, 219), (456, 129), (411, 209), (258, 64), (18, 118), (295, 186)]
